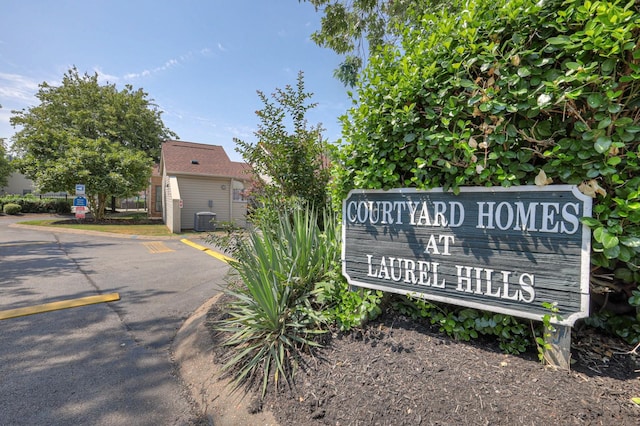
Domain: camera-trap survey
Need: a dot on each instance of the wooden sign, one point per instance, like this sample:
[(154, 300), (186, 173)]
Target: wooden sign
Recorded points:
[(505, 250)]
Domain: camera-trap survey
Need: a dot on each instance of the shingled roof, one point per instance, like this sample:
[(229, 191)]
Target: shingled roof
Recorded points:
[(179, 157)]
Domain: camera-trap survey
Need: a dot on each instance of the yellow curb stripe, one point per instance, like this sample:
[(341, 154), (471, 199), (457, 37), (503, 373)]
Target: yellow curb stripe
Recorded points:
[(55, 306), (25, 243), (207, 250)]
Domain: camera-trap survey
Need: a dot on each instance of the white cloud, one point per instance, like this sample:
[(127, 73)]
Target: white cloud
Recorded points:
[(221, 47), (205, 121), (168, 64), (16, 92), (240, 132), (5, 114), (103, 77), (17, 88), (174, 62)]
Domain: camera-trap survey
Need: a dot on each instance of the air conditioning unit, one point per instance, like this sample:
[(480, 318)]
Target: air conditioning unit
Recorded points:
[(204, 221)]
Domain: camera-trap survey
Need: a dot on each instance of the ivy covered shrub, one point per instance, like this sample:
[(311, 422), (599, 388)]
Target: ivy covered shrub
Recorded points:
[(513, 92)]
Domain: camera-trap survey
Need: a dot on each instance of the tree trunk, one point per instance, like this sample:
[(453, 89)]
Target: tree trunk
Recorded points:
[(102, 202)]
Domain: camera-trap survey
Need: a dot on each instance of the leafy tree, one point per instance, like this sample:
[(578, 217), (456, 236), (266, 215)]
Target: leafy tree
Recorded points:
[(5, 164), (82, 132), (288, 165), (358, 28), (512, 92)]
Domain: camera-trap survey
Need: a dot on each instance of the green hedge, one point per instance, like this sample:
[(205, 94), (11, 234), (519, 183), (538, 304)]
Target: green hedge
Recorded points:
[(33, 204), (513, 92)]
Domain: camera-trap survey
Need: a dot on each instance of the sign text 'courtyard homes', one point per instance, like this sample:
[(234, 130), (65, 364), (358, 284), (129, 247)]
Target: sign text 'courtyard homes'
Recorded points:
[(506, 250)]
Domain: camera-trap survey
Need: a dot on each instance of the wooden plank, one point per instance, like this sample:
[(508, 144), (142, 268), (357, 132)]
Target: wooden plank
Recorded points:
[(506, 250)]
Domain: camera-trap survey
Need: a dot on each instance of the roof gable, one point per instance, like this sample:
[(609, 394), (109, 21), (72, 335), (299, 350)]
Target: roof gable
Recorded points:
[(191, 158)]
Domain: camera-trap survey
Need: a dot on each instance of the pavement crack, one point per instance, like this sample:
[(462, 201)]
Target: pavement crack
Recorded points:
[(97, 288), (77, 265)]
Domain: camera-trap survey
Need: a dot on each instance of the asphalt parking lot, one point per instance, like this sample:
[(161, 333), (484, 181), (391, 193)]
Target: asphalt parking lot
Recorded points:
[(106, 363)]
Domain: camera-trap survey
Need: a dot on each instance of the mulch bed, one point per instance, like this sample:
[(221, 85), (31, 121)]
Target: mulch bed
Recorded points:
[(398, 371)]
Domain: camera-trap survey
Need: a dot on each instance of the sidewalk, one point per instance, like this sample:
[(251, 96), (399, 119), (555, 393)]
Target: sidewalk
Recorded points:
[(191, 353)]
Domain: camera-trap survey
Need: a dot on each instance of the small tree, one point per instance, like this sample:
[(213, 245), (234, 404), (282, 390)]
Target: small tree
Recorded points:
[(5, 164), (82, 132), (287, 165)]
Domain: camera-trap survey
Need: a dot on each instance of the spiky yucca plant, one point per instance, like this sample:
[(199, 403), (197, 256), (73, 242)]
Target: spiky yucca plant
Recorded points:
[(271, 317)]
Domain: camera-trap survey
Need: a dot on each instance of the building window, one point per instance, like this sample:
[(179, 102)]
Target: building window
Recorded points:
[(238, 195), (158, 207)]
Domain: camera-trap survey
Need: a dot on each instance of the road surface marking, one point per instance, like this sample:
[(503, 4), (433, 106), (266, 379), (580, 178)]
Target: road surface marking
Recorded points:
[(207, 250), (26, 243), (55, 306), (157, 247)]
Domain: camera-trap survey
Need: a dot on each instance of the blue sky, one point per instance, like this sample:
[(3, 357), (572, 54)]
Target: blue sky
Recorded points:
[(201, 61)]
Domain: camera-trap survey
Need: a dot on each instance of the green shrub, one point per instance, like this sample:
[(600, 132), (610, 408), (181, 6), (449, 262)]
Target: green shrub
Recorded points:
[(229, 237), (11, 208), (346, 307), (271, 317), (30, 204), (512, 92), (513, 335), (33, 204), (61, 206)]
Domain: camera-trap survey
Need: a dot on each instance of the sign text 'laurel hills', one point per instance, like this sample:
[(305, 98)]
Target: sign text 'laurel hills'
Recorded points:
[(506, 250)]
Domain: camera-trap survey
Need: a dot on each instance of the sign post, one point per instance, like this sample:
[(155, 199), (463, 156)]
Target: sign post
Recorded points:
[(506, 250), (80, 202)]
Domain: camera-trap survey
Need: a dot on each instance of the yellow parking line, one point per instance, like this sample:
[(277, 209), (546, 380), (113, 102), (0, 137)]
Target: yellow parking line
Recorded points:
[(157, 247), (55, 306), (207, 250), (25, 243)]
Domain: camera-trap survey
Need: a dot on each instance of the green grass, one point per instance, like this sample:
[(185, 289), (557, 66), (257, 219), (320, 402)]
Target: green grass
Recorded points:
[(155, 230)]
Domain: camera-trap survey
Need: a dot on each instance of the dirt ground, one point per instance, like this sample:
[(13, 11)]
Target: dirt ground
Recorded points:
[(398, 371)]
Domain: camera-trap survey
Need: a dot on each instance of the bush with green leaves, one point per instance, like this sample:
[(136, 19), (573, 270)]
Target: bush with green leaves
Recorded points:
[(346, 307), (11, 208), (61, 206), (514, 335), (272, 317), (512, 92), (289, 157), (33, 204), (229, 237)]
